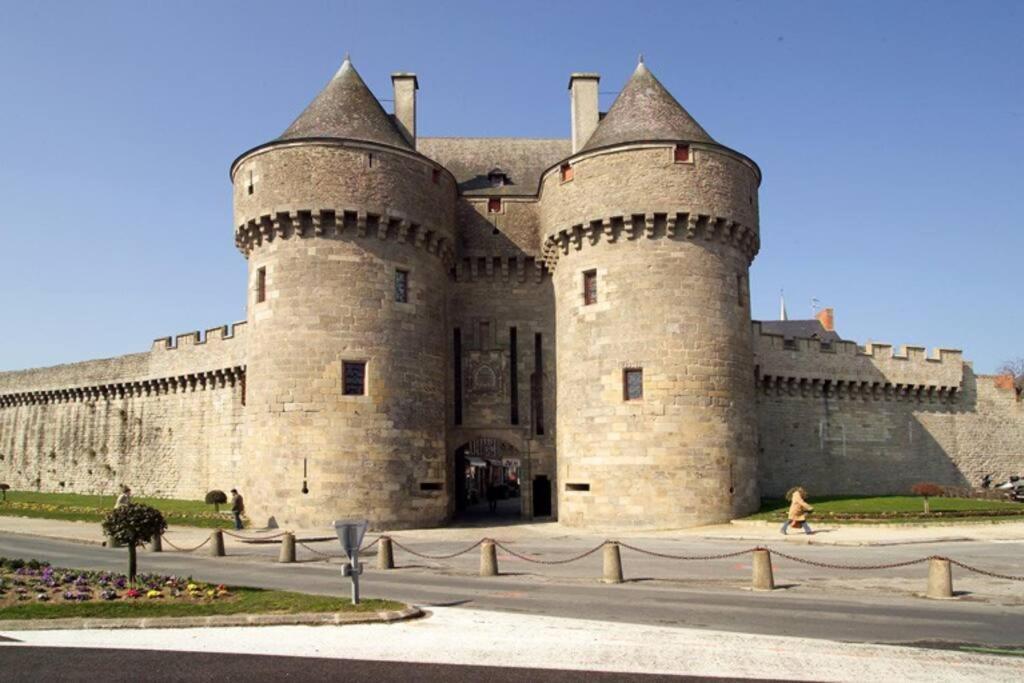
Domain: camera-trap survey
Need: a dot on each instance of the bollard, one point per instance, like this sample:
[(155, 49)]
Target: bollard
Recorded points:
[(763, 579), (156, 544), (385, 553), (217, 543), (612, 563), (488, 559), (940, 579), (287, 548)]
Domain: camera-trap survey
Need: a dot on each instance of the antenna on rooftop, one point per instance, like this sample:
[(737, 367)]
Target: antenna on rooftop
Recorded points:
[(815, 307)]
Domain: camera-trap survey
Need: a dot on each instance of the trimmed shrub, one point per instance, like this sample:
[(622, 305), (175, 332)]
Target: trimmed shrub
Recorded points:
[(926, 490), (132, 525), (216, 498)]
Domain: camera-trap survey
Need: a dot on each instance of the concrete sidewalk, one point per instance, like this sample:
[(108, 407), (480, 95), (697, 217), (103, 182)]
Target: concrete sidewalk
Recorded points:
[(756, 532), (466, 636)]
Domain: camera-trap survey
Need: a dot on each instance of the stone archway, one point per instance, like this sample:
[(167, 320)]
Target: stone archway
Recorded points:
[(488, 472)]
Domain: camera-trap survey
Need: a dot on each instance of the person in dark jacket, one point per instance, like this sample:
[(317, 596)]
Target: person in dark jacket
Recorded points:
[(237, 507)]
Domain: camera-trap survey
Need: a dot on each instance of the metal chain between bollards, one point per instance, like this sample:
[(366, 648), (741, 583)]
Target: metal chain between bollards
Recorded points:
[(437, 557), (828, 565), (185, 550), (667, 556), (253, 538), (980, 571), (317, 552), (527, 558)]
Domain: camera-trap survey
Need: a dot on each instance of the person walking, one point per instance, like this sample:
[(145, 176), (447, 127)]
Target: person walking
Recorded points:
[(492, 496), (798, 509), (237, 508), (124, 498)]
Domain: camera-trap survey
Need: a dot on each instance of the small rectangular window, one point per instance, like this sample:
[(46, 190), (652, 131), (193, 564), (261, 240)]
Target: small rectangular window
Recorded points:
[(633, 384), (567, 172), (589, 287), (494, 205), (431, 486), (353, 378), (261, 285), (577, 487), (402, 286), (682, 153)]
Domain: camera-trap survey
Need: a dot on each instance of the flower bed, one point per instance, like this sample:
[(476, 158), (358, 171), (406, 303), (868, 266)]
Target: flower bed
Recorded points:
[(38, 581), (36, 590)]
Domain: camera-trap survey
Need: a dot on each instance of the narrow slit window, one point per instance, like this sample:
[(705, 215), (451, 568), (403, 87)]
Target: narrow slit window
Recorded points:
[(589, 287), (494, 205), (682, 153), (436, 175), (261, 285), (250, 186), (353, 378), (567, 172), (633, 384), (577, 487), (457, 372), (402, 286), (537, 386), (740, 291), (513, 352)]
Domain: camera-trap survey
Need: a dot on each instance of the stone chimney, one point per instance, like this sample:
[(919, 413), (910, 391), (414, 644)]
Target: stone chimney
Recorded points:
[(827, 318), (583, 103), (406, 85)]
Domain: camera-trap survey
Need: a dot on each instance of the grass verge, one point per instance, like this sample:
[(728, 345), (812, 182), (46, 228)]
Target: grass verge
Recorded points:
[(895, 509), (91, 508)]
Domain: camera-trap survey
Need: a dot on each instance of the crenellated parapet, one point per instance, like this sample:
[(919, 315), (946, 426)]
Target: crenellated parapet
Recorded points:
[(342, 224), (676, 225), (207, 380), (845, 370), (211, 338), (518, 268)]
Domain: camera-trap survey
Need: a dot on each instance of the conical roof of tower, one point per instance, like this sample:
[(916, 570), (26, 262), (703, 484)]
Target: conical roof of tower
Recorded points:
[(645, 110), (346, 108)]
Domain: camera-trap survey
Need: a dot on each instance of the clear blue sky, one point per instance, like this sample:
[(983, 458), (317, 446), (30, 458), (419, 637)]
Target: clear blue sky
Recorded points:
[(889, 133)]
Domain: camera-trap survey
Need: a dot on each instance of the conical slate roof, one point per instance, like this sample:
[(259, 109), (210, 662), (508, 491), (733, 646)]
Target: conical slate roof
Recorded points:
[(645, 110), (346, 108)]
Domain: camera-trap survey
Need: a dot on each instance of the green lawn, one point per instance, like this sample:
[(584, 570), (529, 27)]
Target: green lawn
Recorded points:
[(244, 601), (893, 509), (90, 508)]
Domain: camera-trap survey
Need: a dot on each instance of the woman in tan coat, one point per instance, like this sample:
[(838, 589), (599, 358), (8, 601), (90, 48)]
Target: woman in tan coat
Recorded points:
[(798, 509)]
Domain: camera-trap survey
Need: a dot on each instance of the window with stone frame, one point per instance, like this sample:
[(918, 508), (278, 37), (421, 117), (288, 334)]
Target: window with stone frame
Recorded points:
[(261, 285), (494, 205), (402, 286), (353, 378), (589, 287), (567, 172), (632, 384), (682, 154)]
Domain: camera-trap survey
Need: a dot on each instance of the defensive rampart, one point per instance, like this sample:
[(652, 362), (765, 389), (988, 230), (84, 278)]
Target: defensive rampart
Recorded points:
[(165, 422), (839, 418)]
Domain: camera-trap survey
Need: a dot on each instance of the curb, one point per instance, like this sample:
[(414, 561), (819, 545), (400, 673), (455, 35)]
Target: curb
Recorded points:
[(844, 544), (299, 619)]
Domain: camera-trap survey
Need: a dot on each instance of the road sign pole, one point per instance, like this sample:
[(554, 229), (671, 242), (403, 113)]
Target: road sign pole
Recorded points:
[(355, 576)]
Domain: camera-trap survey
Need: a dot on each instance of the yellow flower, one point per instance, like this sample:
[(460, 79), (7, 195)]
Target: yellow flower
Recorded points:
[(154, 594), (192, 587)]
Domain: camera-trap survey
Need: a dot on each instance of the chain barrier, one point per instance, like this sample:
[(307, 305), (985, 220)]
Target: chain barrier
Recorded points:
[(333, 556), (436, 557), (667, 556), (827, 565), (982, 571), (527, 558), (253, 538), (184, 550)]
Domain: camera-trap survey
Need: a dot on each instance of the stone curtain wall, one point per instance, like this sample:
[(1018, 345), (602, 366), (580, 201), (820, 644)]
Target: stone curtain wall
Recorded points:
[(167, 422), (867, 421)]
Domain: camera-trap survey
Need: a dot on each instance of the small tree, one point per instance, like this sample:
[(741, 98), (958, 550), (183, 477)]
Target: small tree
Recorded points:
[(216, 499), (132, 525), (926, 490), (4, 488)]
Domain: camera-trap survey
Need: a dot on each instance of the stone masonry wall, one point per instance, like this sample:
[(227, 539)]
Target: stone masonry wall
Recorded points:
[(851, 420), (167, 422)]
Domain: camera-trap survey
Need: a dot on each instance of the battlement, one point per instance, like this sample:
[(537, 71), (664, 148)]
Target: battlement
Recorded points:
[(680, 224), (212, 336), (519, 268), (288, 223), (845, 368)]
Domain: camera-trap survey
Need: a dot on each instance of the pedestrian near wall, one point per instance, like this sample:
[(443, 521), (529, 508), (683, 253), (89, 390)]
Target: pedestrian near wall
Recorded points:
[(124, 498), (237, 507), (798, 509)]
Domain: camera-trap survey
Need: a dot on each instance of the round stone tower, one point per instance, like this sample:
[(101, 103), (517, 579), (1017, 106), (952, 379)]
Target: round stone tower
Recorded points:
[(348, 235), (650, 228)]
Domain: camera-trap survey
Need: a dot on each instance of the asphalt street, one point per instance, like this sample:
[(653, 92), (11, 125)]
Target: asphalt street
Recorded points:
[(711, 595), (76, 664)]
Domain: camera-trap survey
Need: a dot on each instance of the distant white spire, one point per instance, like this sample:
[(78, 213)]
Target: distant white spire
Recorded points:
[(782, 307)]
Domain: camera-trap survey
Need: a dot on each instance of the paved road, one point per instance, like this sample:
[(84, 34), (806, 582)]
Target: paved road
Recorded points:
[(854, 612), (79, 664)]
